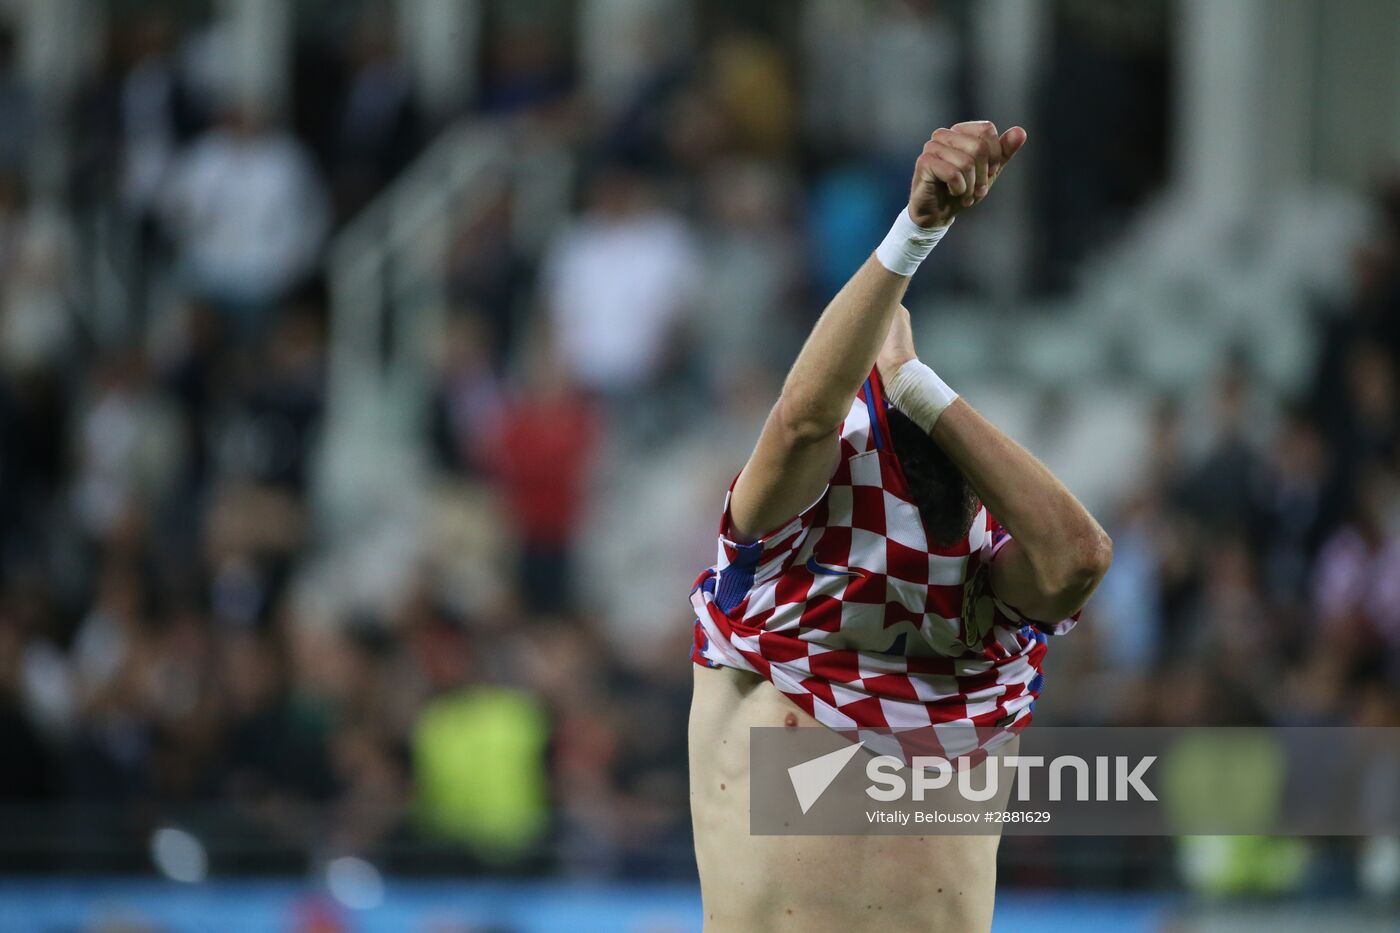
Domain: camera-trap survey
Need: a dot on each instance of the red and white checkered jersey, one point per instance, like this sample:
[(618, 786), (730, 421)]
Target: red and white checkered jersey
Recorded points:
[(851, 612)]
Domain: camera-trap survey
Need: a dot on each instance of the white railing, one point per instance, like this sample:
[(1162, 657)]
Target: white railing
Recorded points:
[(389, 303), (385, 269)]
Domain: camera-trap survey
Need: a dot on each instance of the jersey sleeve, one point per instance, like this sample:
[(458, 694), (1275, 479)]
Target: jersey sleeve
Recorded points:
[(741, 566), (1009, 615), (769, 555)]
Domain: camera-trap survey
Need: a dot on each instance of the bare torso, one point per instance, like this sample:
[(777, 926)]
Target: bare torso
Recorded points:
[(812, 883)]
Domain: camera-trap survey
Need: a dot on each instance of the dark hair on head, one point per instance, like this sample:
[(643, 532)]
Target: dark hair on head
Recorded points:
[(946, 502)]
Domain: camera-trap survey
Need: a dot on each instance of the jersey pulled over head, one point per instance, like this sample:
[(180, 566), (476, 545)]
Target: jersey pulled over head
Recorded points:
[(946, 501)]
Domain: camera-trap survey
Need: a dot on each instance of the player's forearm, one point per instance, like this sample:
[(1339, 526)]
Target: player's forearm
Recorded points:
[(1066, 547), (954, 171), (840, 352)]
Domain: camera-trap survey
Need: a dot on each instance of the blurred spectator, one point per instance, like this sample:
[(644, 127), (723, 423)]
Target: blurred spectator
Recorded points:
[(752, 268), (1130, 594), (1294, 505), (28, 777), (274, 430), (479, 754), (846, 208), (36, 262), (1222, 491), (377, 130), (153, 111), (1357, 581), (749, 81), (468, 403), (195, 368), (270, 746), (624, 45), (487, 277), (17, 114), (527, 66), (855, 53), (129, 446), (618, 283), (540, 454), (130, 118), (35, 416), (247, 214), (1371, 418)]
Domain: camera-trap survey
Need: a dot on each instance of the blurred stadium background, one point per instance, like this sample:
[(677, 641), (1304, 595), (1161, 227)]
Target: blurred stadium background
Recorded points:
[(370, 373)]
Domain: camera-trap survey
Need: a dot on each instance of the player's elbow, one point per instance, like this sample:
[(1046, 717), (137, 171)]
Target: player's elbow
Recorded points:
[(1080, 563), (805, 421), (1087, 559)]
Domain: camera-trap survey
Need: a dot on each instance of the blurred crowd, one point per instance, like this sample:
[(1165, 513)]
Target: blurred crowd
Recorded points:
[(158, 662)]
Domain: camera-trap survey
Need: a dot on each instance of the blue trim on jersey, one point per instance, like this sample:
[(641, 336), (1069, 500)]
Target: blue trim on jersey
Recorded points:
[(736, 580), (874, 417)]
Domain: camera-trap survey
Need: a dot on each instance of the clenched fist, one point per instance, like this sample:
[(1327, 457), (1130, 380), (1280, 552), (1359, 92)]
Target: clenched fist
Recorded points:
[(957, 169)]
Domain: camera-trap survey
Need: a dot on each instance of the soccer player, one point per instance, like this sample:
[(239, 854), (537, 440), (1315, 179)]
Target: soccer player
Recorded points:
[(863, 582)]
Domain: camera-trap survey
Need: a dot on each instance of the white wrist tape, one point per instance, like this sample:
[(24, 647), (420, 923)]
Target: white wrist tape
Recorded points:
[(907, 244), (917, 391)]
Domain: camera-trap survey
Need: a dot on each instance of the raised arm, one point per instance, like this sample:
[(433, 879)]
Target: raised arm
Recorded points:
[(1058, 552), (797, 450)]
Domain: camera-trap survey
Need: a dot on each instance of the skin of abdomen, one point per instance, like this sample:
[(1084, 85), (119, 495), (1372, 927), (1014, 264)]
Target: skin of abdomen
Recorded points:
[(813, 884)]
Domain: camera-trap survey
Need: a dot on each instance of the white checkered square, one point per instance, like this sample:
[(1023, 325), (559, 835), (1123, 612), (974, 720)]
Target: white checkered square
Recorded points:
[(977, 535), (856, 428), (830, 585), (988, 705), (761, 599), (902, 523), (863, 626), (868, 551), (942, 634), (902, 715), (946, 571), (844, 695), (957, 738), (934, 688), (865, 469), (909, 595)]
